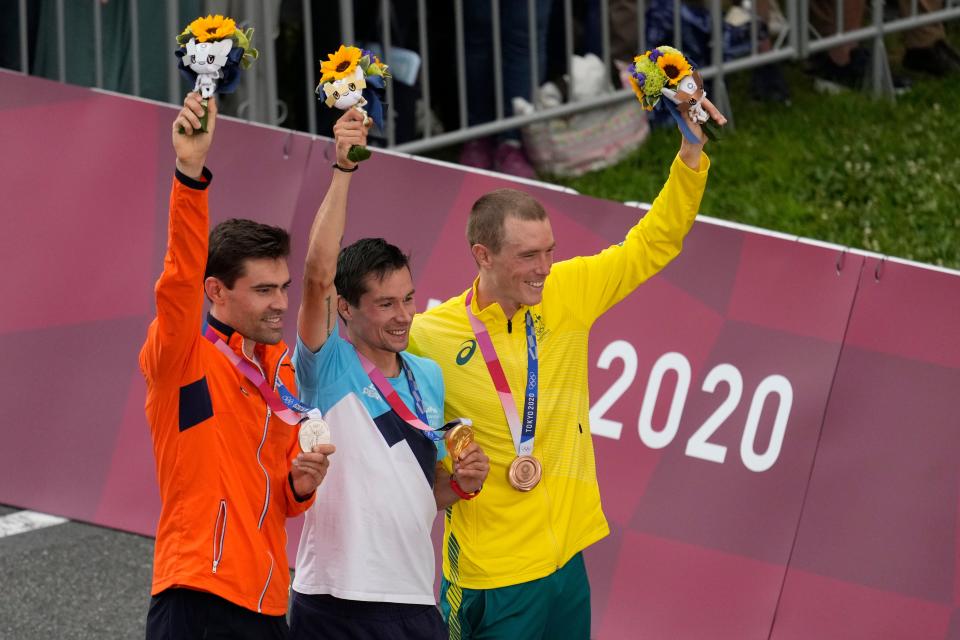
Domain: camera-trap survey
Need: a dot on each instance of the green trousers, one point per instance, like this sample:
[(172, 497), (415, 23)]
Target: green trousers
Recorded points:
[(556, 607)]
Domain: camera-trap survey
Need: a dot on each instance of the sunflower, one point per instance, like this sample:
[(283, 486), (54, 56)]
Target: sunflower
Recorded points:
[(212, 28), (340, 64), (674, 66)]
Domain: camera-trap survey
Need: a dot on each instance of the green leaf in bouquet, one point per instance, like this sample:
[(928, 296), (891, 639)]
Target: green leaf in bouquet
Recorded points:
[(358, 153)]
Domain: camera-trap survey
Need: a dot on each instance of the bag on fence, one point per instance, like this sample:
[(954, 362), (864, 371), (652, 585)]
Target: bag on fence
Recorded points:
[(574, 145)]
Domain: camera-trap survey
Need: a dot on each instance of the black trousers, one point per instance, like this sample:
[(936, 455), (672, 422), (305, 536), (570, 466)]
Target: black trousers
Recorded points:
[(323, 617), (185, 614)]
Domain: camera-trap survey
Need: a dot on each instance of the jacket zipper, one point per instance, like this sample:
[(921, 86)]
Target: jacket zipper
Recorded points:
[(264, 592), (266, 504), (263, 439), (219, 531)]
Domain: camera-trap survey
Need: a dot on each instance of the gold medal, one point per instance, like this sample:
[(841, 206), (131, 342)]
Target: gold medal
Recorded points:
[(525, 473), (458, 439), (313, 431)]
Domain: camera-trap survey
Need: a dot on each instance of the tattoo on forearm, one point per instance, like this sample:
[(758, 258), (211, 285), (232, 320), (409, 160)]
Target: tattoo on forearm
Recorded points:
[(329, 318)]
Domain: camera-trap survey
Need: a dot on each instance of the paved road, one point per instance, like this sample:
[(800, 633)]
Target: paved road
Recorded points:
[(73, 580)]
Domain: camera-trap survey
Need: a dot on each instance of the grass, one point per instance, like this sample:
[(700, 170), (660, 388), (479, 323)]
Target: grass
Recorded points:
[(847, 169)]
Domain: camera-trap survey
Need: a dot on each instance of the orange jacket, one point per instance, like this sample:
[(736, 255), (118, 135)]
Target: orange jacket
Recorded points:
[(223, 458)]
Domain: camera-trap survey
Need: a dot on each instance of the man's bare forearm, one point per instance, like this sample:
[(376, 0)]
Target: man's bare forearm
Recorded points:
[(317, 309)]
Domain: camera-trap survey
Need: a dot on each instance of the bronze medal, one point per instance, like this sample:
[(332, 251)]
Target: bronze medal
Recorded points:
[(525, 473), (313, 431), (458, 439)]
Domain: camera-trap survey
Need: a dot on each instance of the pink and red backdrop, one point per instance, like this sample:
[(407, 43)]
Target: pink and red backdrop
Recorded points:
[(788, 472)]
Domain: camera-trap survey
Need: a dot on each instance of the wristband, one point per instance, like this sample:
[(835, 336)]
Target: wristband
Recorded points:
[(297, 496), (344, 169), (460, 492)]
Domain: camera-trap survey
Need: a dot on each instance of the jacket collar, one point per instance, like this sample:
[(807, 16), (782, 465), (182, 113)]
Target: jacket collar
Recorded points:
[(221, 327), (493, 315), (269, 355)]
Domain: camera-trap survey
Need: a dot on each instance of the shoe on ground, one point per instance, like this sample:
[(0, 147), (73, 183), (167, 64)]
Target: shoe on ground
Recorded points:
[(832, 78), (939, 59), (948, 51), (511, 159), (478, 153)]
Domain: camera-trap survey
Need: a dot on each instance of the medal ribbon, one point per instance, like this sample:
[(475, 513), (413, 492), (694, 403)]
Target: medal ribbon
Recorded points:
[(283, 403), (523, 433), (393, 398)]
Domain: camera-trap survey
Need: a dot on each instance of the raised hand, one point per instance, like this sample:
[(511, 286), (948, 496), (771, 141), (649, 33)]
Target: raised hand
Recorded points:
[(712, 111), (689, 151), (190, 144), (309, 469), (349, 131)]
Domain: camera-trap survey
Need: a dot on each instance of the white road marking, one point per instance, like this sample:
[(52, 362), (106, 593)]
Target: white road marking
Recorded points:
[(23, 521)]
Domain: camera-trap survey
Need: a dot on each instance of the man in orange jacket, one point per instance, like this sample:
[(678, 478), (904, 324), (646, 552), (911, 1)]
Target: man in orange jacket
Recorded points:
[(228, 461)]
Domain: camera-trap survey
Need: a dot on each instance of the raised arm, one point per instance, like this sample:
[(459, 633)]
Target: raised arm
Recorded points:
[(689, 151), (192, 145), (607, 277), (179, 291), (318, 307)]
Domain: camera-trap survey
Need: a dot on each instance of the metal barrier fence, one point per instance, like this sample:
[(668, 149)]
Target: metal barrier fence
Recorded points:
[(259, 96)]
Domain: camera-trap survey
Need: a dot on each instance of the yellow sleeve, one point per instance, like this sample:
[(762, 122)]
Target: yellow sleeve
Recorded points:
[(604, 279)]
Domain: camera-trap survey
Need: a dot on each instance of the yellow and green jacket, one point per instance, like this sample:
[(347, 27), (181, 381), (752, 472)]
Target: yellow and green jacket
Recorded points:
[(504, 536)]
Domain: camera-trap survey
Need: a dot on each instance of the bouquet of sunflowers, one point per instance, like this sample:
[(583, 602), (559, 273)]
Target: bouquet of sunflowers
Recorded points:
[(211, 55), (665, 71), (354, 78)]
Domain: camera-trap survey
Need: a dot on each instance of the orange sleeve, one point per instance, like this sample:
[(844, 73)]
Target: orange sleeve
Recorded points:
[(176, 329)]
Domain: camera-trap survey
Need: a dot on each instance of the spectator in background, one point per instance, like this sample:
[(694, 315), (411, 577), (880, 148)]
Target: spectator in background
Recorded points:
[(694, 39), (155, 53), (767, 82), (927, 50), (503, 152), (847, 65)]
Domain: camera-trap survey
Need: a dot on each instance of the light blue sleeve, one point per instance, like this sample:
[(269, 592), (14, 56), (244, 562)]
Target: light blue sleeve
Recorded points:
[(317, 370)]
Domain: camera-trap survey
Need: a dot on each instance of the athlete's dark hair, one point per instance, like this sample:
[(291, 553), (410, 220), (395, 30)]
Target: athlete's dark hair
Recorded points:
[(363, 257), (485, 225), (236, 240)]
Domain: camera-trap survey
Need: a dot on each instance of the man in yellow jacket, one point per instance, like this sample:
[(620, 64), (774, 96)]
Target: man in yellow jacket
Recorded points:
[(513, 350)]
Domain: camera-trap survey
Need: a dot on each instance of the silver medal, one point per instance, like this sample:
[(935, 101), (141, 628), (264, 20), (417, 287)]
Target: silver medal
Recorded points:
[(313, 431)]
